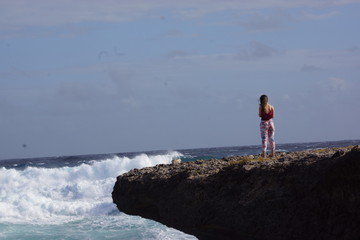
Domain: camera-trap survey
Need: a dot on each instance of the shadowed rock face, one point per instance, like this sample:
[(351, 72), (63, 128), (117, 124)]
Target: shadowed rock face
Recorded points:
[(300, 195)]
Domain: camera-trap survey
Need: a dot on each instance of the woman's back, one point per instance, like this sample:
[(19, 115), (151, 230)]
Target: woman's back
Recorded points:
[(267, 113)]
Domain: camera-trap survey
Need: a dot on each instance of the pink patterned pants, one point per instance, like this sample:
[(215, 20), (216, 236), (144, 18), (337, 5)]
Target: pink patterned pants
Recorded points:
[(267, 131)]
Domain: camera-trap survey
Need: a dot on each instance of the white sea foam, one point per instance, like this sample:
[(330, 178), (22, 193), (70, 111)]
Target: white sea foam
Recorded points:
[(60, 195)]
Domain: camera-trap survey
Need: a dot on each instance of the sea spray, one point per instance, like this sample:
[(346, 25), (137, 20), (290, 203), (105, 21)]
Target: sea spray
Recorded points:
[(74, 202), (56, 195)]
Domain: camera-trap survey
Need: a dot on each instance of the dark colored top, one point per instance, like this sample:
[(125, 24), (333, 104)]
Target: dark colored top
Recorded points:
[(267, 116)]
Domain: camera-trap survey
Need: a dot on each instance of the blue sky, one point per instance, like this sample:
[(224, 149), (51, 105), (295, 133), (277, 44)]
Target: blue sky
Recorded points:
[(83, 77)]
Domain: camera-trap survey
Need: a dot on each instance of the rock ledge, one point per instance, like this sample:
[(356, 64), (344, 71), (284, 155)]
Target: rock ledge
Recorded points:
[(300, 195)]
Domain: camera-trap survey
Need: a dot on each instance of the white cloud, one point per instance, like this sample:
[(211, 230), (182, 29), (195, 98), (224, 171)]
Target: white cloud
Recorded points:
[(353, 49), (256, 50), (310, 68), (76, 92), (336, 85), (321, 60), (252, 51), (173, 34), (311, 16), (258, 22), (59, 12), (335, 89), (179, 54), (257, 56)]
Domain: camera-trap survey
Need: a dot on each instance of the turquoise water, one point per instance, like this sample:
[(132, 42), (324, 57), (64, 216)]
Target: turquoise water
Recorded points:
[(93, 228)]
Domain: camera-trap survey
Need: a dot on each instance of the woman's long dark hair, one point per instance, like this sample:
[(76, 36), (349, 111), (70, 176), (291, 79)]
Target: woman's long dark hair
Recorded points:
[(263, 102)]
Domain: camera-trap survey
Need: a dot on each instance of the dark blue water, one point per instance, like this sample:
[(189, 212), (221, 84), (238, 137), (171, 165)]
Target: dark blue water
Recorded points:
[(187, 154)]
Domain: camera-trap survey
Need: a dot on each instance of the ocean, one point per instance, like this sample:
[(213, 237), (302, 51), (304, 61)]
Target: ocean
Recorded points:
[(69, 197)]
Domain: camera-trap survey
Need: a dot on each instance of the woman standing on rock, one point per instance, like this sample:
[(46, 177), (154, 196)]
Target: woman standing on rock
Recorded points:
[(267, 128)]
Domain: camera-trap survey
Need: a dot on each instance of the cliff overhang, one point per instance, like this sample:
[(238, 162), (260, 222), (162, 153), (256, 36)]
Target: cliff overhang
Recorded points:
[(311, 194)]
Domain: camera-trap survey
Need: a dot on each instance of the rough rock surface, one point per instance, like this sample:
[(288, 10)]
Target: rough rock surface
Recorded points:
[(300, 195)]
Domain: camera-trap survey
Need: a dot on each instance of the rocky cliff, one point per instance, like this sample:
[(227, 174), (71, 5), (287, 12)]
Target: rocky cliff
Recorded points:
[(300, 195)]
